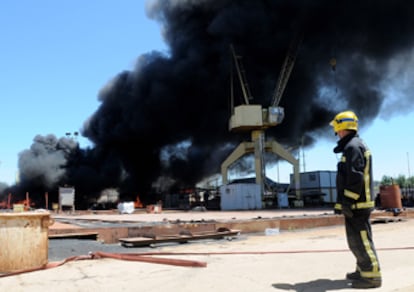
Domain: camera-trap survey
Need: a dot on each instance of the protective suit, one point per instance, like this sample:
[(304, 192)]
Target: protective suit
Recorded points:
[(355, 200)]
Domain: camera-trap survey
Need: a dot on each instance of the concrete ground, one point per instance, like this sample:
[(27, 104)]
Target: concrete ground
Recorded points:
[(298, 260), (173, 215)]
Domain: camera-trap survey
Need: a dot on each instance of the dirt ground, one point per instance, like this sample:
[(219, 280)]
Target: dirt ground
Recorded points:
[(302, 260)]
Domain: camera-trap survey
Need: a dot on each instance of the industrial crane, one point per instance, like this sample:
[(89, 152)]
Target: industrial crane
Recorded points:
[(256, 119)]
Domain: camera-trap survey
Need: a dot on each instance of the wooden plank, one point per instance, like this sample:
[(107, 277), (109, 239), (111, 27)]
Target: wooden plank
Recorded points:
[(93, 235), (145, 241)]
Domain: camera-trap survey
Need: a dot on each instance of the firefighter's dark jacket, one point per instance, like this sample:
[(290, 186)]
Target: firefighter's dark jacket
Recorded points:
[(354, 177)]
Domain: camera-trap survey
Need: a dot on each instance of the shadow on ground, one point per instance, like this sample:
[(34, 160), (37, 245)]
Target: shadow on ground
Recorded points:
[(319, 285)]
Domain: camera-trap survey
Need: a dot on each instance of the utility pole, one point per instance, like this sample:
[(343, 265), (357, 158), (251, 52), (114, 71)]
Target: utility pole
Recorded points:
[(408, 191), (303, 155)]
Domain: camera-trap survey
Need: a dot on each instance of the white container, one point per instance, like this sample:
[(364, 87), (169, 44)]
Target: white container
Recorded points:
[(321, 181), (316, 179), (126, 208), (240, 197), (24, 240)]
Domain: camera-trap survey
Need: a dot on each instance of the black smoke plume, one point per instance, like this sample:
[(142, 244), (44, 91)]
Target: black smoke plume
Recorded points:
[(167, 120)]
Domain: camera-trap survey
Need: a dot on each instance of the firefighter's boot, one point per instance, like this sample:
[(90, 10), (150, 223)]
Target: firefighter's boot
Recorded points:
[(366, 283)]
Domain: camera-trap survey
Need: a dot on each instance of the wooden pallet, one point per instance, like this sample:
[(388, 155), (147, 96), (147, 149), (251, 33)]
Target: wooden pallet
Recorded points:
[(179, 238)]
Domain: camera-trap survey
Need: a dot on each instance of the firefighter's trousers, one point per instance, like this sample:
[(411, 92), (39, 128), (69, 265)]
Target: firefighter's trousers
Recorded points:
[(359, 237)]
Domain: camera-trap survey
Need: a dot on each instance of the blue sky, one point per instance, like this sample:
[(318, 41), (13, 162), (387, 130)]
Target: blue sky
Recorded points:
[(57, 55)]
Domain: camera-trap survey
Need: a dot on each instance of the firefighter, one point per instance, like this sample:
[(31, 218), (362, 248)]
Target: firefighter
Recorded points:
[(355, 200)]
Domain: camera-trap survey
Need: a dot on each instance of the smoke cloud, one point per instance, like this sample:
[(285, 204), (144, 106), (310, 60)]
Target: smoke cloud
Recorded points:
[(168, 118)]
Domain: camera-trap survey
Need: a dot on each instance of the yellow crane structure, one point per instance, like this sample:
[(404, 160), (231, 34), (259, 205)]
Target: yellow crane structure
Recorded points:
[(256, 119)]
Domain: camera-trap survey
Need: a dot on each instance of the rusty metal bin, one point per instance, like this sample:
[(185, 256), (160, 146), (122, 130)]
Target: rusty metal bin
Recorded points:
[(24, 240), (390, 196)]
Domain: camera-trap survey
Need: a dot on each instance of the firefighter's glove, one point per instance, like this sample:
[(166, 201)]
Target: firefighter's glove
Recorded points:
[(346, 210)]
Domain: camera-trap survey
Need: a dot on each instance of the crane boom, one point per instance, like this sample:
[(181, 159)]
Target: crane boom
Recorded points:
[(242, 76), (287, 67)]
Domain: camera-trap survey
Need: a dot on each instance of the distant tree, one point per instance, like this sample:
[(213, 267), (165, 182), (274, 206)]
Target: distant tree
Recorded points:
[(387, 180), (401, 181)]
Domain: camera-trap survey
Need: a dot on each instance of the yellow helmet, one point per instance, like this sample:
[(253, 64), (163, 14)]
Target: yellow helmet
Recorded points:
[(346, 120)]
